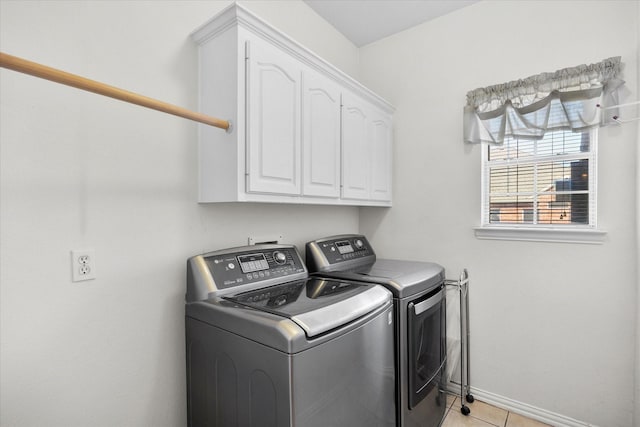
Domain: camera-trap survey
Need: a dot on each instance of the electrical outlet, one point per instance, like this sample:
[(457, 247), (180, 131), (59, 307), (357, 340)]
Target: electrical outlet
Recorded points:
[(83, 264)]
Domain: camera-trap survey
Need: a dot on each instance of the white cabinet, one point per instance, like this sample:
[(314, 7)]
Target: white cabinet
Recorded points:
[(356, 151), (273, 120), (302, 131), (366, 148), (381, 155), (321, 136)]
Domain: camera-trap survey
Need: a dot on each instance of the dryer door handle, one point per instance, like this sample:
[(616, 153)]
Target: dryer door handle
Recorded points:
[(425, 305)]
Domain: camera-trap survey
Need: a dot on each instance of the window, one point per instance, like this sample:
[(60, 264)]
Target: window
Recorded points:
[(539, 174), (541, 183)]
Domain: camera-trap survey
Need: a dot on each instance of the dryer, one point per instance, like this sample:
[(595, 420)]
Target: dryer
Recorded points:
[(268, 346), (420, 319)]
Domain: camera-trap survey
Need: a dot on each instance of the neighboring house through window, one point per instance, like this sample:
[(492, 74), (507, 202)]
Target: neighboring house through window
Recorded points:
[(545, 182)]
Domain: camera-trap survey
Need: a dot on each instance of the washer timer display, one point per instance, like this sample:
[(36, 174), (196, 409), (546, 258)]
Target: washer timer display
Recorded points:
[(253, 262), (344, 247)]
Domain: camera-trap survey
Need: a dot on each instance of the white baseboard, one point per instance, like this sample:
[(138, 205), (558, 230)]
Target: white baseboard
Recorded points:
[(524, 409)]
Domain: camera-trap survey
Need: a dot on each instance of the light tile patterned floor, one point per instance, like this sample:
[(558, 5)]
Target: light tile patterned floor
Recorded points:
[(484, 415)]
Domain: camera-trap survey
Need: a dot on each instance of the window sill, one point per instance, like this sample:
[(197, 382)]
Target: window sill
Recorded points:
[(541, 234)]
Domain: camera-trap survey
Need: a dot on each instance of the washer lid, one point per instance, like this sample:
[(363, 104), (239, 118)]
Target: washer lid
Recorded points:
[(405, 278), (317, 305)]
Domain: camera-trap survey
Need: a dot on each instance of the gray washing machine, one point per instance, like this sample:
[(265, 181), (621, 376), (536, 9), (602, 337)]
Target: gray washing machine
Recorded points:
[(268, 346), (420, 318)]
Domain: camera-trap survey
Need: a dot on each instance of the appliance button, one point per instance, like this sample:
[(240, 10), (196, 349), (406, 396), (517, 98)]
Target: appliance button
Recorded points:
[(359, 244)]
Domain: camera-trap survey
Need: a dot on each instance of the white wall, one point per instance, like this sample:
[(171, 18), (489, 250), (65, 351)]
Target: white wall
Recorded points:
[(636, 412), (553, 324), (79, 170)]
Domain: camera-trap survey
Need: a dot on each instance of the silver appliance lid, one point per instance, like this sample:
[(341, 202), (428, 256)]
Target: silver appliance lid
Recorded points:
[(351, 257), (264, 293), (405, 278), (316, 305)]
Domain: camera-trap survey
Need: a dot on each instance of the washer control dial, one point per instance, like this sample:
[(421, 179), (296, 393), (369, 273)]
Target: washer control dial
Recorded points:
[(358, 243), (279, 257)]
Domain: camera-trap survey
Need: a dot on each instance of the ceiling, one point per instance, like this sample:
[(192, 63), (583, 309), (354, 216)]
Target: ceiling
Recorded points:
[(365, 21)]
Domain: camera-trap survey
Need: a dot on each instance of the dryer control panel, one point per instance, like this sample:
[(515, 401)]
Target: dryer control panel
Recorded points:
[(240, 269), (343, 252)]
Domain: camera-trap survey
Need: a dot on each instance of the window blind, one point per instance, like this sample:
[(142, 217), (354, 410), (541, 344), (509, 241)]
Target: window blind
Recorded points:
[(541, 182)]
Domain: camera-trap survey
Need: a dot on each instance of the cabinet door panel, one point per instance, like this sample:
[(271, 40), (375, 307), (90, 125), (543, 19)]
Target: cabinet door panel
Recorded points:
[(321, 137), (273, 121), (381, 157), (356, 154)]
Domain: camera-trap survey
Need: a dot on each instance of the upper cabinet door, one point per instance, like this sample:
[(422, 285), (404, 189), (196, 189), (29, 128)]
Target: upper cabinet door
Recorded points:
[(273, 120), (381, 156), (321, 136), (356, 149)]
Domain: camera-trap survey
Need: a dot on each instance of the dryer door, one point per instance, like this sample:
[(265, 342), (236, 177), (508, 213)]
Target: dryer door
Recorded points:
[(426, 330)]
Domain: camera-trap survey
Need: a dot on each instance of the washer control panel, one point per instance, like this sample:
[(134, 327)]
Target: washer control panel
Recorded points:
[(242, 268), (339, 251)]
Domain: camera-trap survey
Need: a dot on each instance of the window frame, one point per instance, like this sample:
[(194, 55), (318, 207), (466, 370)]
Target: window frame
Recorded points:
[(571, 233)]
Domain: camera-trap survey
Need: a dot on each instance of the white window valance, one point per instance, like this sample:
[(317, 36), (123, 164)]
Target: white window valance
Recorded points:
[(570, 98)]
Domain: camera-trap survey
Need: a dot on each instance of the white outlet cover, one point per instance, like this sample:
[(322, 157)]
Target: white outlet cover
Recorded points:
[(83, 265)]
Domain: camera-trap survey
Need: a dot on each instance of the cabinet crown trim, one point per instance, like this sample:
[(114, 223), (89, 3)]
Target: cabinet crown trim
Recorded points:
[(237, 15)]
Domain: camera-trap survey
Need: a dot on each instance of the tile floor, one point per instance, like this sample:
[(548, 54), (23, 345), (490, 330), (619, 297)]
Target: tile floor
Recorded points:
[(484, 415)]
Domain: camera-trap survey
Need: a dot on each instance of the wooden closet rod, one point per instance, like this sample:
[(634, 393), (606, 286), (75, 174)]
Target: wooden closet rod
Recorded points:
[(38, 70)]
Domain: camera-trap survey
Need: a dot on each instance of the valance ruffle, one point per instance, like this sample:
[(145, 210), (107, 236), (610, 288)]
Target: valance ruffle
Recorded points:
[(566, 99)]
